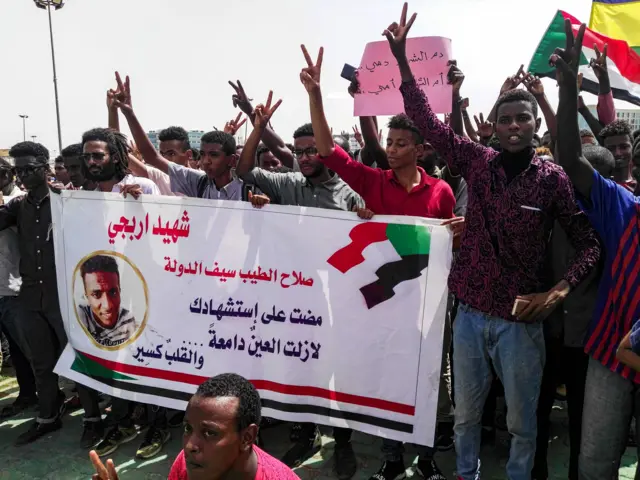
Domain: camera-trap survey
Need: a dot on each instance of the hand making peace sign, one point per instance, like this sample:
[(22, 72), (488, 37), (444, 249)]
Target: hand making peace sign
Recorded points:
[(310, 76)]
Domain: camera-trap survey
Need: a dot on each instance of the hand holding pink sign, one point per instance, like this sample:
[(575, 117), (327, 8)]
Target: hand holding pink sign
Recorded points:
[(380, 80)]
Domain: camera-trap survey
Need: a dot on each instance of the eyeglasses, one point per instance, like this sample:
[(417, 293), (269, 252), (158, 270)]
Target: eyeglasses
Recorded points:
[(97, 156), (310, 152), (28, 170)]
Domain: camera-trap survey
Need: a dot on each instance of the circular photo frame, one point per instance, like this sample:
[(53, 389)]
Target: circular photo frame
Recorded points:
[(110, 299)]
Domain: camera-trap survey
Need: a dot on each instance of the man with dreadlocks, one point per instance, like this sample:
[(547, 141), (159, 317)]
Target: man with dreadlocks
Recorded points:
[(106, 161), (105, 154)]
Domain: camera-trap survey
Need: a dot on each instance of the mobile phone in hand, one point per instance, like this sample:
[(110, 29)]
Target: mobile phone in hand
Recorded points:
[(518, 306), (348, 72)]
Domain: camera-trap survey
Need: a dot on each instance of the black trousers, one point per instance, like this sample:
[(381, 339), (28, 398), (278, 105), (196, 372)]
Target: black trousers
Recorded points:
[(24, 374), (342, 436), (11, 320), (122, 410), (568, 364), (45, 340)]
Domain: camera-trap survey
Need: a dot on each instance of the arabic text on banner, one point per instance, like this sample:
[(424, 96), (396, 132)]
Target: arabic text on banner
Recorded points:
[(335, 320)]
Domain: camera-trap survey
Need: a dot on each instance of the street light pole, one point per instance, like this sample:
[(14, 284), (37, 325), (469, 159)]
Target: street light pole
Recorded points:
[(24, 127), (57, 4)]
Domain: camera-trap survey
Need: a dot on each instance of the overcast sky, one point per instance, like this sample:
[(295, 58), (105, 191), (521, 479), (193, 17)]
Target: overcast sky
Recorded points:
[(180, 55)]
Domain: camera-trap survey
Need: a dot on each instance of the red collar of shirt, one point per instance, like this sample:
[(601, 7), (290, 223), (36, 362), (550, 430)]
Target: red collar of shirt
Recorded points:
[(425, 180)]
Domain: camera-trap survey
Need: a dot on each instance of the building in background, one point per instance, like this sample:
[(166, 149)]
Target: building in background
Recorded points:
[(194, 138), (631, 115), (153, 137)]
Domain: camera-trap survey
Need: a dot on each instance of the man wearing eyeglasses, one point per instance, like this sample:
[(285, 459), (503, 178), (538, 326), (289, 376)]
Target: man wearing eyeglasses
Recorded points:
[(314, 186)]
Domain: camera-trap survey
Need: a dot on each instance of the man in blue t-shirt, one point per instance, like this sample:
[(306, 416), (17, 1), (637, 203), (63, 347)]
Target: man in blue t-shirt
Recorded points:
[(611, 392), (629, 349)]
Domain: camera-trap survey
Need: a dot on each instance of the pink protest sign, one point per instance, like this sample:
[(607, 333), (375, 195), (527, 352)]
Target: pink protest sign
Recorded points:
[(380, 77)]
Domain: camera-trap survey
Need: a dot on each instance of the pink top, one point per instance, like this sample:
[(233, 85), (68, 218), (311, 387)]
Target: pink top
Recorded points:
[(269, 468), (606, 108)]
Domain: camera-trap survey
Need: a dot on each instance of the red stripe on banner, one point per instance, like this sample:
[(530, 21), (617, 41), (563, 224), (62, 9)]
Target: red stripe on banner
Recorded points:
[(260, 385), (619, 51)]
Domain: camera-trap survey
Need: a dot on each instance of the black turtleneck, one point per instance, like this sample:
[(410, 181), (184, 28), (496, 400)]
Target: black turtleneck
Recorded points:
[(514, 163)]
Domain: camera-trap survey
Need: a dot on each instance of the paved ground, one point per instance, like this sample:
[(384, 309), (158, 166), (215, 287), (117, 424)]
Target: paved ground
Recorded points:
[(58, 457)]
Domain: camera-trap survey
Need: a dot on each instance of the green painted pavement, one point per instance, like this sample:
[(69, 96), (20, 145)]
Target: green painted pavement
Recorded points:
[(59, 457)]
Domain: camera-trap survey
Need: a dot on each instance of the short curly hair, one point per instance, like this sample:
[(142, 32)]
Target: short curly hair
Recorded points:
[(403, 122), (175, 133), (99, 263), (518, 95), (305, 130), (262, 148), (30, 149), (233, 385), (615, 129), (225, 140), (72, 151)]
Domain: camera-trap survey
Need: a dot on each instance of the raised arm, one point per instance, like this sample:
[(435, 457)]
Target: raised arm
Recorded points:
[(594, 124), (455, 77), (459, 152), (569, 143), (114, 118), (468, 126), (372, 152), (511, 83), (262, 115), (147, 150), (606, 108), (270, 138), (355, 174), (536, 88), (310, 78)]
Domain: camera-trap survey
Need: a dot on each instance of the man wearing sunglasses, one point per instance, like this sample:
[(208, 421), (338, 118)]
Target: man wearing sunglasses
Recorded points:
[(45, 337), (105, 154), (11, 312)]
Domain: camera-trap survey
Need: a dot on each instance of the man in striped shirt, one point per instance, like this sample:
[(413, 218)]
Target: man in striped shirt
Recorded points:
[(611, 391), (104, 317)]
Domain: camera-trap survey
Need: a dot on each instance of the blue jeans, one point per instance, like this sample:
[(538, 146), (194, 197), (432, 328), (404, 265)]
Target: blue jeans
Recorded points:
[(517, 353), (610, 401)]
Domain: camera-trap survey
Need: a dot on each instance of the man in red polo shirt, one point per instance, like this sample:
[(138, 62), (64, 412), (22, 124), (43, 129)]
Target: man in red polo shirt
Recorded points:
[(405, 189)]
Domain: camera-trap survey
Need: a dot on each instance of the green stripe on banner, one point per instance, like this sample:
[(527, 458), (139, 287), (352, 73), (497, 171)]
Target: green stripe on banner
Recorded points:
[(86, 366), (409, 239), (636, 49), (553, 38)]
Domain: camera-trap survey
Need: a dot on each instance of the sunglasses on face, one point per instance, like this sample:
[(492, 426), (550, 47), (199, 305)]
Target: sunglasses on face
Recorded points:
[(97, 156), (28, 170), (310, 152)]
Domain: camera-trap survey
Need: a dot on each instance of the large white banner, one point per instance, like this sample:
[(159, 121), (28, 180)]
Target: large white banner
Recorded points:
[(335, 320)]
